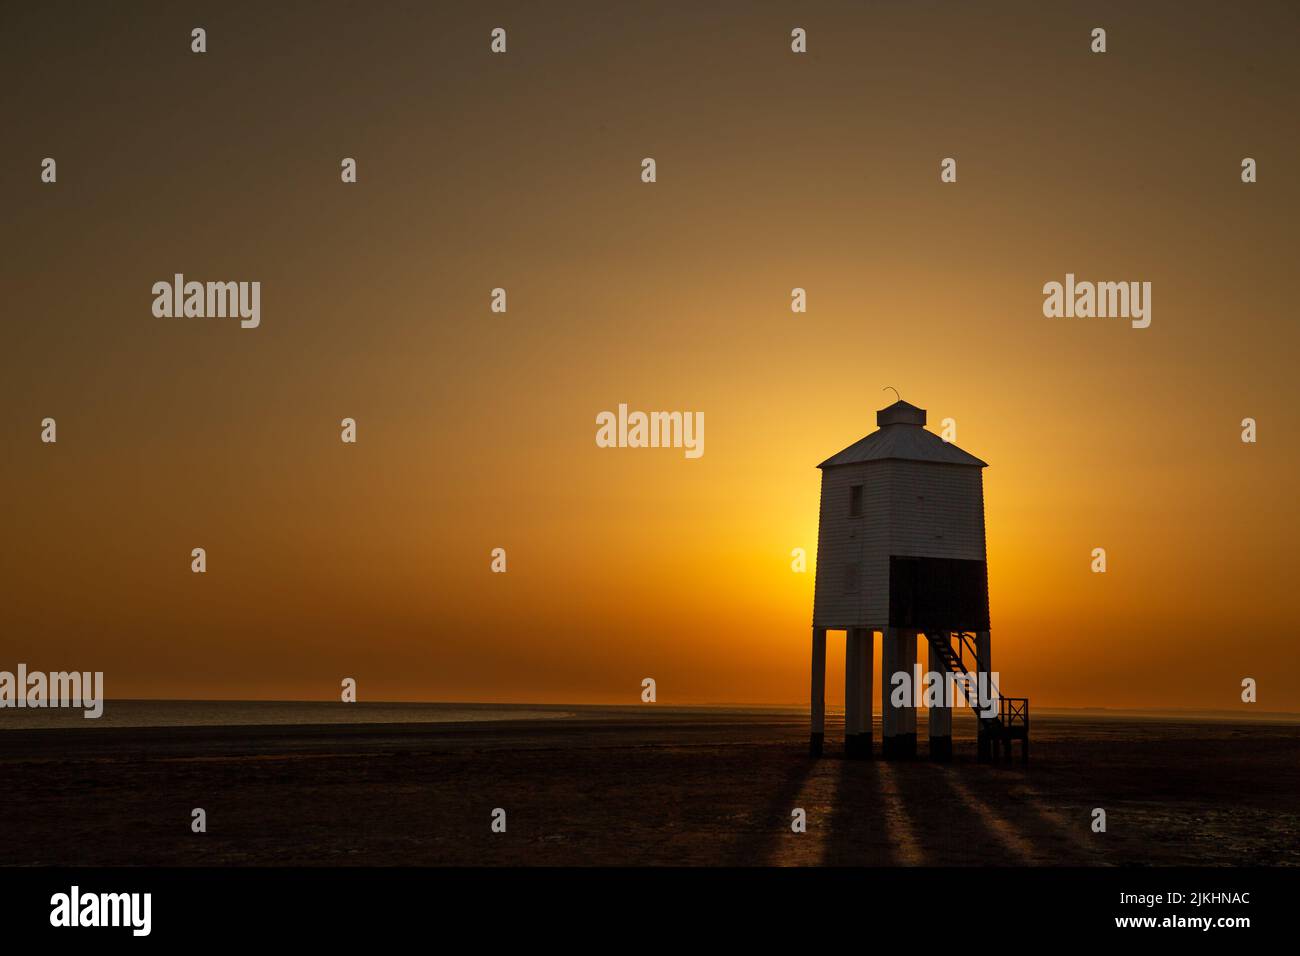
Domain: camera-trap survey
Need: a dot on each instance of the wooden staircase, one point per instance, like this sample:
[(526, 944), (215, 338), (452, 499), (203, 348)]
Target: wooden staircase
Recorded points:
[(1011, 721)]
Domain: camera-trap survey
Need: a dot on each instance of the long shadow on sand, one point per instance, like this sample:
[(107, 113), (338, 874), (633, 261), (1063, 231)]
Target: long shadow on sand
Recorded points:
[(912, 813), (959, 826), (858, 833), (760, 843)]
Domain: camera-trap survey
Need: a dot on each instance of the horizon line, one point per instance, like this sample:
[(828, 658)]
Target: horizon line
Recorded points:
[(837, 711)]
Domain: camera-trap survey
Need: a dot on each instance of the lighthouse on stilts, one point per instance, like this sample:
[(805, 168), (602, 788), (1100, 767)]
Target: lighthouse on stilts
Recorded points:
[(901, 553)]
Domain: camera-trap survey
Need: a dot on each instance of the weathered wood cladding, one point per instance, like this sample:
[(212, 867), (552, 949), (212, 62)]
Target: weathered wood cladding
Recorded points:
[(907, 508)]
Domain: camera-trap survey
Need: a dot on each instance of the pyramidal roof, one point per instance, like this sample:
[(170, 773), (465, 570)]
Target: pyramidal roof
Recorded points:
[(902, 435)]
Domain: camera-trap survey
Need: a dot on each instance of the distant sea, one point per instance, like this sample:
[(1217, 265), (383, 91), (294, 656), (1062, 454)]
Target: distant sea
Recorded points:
[(236, 713), (228, 713)]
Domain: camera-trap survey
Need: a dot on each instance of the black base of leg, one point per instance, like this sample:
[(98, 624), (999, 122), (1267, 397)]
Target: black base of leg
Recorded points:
[(857, 745), (899, 747), (815, 745), (941, 749)]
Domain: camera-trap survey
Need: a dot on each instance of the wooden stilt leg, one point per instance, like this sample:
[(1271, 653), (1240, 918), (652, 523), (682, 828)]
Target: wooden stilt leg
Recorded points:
[(818, 691)]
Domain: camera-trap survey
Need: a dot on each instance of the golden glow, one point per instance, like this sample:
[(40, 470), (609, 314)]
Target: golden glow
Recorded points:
[(477, 430)]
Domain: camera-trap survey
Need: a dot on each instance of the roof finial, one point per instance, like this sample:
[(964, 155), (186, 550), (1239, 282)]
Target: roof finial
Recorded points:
[(894, 390)]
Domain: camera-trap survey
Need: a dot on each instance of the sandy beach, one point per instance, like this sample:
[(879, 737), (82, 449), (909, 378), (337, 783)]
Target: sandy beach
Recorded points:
[(610, 788)]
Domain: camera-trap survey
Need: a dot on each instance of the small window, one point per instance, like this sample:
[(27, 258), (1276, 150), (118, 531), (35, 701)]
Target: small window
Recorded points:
[(855, 501), (850, 578)]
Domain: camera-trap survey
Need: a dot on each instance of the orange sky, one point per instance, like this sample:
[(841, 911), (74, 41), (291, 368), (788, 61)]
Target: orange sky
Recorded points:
[(477, 430)]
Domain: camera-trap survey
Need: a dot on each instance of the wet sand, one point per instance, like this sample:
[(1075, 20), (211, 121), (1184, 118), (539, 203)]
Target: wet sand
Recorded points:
[(678, 789)]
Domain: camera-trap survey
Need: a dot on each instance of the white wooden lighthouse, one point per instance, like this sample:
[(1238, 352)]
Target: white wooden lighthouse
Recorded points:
[(901, 553)]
